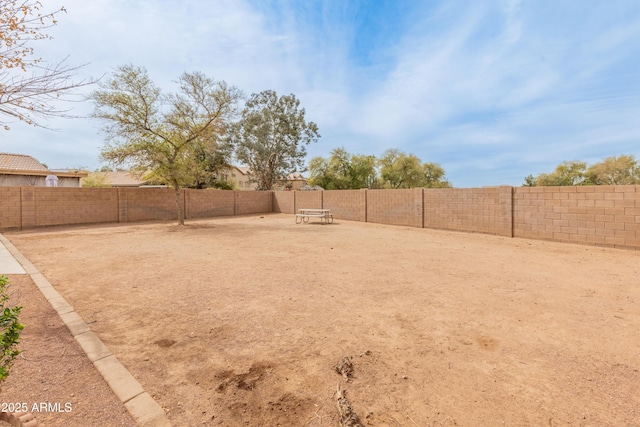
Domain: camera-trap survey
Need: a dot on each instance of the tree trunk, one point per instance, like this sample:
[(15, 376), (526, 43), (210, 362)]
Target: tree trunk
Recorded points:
[(179, 205)]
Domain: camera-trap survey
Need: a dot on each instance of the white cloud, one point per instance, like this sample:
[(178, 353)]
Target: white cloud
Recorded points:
[(492, 90)]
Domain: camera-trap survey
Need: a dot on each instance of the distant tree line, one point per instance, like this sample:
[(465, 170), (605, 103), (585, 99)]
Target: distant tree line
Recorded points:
[(615, 170), (394, 169)]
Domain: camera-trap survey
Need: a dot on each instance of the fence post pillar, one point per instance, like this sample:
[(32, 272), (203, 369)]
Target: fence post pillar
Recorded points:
[(123, 214), (363, 208), (417, 208), (512, 220), (271, 196), (295, 208), (235, 202)]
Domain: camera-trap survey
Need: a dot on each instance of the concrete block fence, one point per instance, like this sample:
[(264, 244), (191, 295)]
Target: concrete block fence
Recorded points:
[(30, 207), (596, 215)]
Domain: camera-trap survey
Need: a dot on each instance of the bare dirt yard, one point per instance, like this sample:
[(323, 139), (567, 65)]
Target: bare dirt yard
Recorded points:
[(241, 321), (53, 378)]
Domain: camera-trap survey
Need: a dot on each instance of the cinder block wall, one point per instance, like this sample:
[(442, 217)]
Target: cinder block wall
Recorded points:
[(482, 210), (10, 208), (346, 204), (395, 207), (597, 215), (283, 202), (251, 202), (600, 215), (308, 200), (146, 204), (58, 206), (209, 203), (28, 206)]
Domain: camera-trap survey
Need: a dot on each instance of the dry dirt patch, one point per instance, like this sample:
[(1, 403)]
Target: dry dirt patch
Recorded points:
[(53, 378), (241, 321)]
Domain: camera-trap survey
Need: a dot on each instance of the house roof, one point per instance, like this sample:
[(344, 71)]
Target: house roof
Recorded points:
[(20, 162), (296, 177), (244, 169)]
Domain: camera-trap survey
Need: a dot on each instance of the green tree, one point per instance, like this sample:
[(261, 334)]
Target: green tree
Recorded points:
[(211, 164), (271, 137), (318, 173), (566, 173), (434, 176), (401, 170), (362, 171), (96, 180), (343, 171), (28, 85), (621, 170), (163, 134)]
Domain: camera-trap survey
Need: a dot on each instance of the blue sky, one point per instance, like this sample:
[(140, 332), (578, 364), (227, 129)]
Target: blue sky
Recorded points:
[(492, 90)]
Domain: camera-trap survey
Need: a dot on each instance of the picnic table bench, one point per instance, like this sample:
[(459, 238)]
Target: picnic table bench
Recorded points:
[(303, 215)]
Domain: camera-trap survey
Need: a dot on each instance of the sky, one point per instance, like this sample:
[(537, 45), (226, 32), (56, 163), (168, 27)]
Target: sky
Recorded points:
[(492, 90)]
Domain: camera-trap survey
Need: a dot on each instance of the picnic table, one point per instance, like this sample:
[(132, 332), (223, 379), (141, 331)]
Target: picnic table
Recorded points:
[(303, 215)]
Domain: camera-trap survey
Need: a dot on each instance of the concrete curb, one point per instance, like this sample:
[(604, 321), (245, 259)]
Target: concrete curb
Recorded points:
[(141, 406)]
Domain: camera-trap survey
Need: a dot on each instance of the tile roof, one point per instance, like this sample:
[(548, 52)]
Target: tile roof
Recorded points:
[(124, 179), (20, 162)]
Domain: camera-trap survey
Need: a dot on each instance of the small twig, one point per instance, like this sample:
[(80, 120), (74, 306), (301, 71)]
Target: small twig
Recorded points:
[(410, 419), (316, 415), (64, 350), (15, 295), (94, 317)]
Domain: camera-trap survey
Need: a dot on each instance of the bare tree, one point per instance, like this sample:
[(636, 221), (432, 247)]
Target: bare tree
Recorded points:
[(29, 87)]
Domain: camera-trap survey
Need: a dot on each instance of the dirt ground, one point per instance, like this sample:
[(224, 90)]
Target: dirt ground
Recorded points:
[(52, 378), (240, 321)]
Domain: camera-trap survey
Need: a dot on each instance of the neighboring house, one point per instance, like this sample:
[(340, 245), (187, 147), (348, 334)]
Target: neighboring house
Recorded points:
[(239, 176), (124, 179), (22, 170), (293, 183), (115, 179)]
